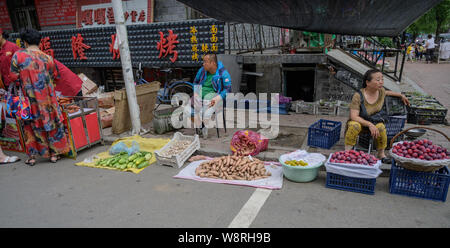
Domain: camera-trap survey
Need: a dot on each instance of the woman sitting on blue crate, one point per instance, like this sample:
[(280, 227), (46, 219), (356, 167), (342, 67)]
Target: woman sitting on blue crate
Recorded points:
[(366, 111)]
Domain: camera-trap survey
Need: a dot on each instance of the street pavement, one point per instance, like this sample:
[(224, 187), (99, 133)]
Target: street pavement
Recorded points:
[(65, 195)]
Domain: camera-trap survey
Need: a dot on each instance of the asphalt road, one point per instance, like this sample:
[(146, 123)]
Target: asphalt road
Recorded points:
[(65, 195)]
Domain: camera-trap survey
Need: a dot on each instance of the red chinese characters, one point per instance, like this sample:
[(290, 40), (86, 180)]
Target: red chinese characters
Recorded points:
[(110, 15), (86, 17), (100, 17), (78, 47), (45, 46), (142, 16), (167, 46), (115, 52), (133, 16)]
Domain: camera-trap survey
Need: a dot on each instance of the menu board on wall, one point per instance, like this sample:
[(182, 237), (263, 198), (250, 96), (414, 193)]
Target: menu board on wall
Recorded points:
[(5, 21), (56, 12)]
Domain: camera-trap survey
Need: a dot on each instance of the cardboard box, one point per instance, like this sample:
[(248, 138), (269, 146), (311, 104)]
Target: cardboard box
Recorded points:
[(106, 100), (146, 99), (88, 85), (107, 116)]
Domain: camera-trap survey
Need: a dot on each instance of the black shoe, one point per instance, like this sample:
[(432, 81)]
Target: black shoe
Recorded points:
[(386, 160), (30, 162)]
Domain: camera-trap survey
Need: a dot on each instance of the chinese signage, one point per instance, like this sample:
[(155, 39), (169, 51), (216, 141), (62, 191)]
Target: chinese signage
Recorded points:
[(102, 14), (163, 44), (5, 22), (78, 47), (56, 12), (207, 46), (167, 46), (45, 46)]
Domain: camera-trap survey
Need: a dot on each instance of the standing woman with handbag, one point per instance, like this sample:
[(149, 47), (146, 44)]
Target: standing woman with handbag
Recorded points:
[(35, 72)]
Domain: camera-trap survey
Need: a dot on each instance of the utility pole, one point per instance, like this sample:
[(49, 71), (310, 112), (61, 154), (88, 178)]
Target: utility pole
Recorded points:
[(127, 68)]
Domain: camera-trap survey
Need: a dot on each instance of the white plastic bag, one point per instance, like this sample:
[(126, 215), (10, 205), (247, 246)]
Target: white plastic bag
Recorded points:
[(354, 170), (313, 159), (275, 181)]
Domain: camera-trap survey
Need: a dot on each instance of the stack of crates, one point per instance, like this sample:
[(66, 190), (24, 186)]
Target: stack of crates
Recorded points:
[(302, 107), (425, 109)]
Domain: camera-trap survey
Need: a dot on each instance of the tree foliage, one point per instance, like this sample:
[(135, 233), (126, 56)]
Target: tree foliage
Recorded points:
[(435, 21)]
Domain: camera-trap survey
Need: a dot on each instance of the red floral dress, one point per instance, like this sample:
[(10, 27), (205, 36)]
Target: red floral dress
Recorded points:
[(45, 134)]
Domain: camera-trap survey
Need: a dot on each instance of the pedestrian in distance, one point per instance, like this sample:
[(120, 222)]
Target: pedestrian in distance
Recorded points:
[(410, 53), (416, 51), (429, 46), (421, 51), (35, 73)]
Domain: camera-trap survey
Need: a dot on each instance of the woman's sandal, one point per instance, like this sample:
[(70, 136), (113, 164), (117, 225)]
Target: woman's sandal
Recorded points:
[(54, 159), (30, 161)]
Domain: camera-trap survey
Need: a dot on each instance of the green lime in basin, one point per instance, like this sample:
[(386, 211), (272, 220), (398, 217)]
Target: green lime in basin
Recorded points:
[(302, 173)]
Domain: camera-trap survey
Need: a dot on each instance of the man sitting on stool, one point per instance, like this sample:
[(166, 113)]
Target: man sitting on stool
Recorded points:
[(211, 85)]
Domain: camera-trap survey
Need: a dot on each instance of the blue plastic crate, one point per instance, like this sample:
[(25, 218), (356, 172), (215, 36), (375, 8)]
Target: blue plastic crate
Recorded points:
[(395, 125), (426, 185), (354, 184), (324, 133)]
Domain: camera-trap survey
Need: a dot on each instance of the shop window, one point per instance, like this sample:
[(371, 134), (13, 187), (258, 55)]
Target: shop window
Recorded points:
[(23, 14)]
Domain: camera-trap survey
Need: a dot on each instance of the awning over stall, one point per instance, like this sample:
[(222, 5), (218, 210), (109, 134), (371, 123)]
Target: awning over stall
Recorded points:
[(350, 17)]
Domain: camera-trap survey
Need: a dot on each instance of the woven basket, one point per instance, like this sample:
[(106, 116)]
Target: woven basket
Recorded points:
[(418, 164)]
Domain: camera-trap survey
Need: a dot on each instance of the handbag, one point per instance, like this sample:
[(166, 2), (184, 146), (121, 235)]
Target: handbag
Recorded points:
[(380, 116), (17, 105)]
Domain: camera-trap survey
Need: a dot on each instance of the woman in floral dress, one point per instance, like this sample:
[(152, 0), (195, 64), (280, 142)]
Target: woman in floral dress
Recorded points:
[(35, 71)]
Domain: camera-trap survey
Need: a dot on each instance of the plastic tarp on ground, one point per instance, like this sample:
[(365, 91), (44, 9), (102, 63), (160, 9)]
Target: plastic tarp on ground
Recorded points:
[(145, 144), (275, 181), (350, 17)]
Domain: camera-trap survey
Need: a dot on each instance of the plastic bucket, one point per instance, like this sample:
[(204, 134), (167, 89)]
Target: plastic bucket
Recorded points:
[(300, 174)]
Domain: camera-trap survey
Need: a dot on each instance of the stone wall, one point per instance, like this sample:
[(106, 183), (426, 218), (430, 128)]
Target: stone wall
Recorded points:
[(328, 88), (169, 10)]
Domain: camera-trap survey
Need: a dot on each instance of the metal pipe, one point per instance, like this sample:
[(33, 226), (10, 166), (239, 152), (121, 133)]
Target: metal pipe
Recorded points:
[(396, 63), (127, 68)]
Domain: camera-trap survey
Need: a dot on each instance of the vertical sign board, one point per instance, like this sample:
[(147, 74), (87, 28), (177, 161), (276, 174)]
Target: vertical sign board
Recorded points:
[(56, 12), (100, 13), (5, 21)]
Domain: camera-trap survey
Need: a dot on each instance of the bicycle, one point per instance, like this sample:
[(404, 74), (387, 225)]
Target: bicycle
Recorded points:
[(173, 87)]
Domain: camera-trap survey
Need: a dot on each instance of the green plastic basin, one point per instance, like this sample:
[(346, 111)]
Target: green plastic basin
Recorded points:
[(300, 174)]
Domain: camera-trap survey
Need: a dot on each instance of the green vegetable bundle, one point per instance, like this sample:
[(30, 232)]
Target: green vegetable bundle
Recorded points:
[(123, 161)]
